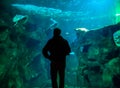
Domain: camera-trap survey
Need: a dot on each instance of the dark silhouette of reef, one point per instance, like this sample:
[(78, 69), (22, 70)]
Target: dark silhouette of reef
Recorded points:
[(99, 57)]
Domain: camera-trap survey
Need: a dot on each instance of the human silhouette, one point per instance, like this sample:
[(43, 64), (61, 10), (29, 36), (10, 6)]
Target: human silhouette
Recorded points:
[(56, 50)]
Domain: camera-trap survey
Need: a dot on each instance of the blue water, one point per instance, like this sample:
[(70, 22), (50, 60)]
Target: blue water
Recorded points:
[(30, 32)]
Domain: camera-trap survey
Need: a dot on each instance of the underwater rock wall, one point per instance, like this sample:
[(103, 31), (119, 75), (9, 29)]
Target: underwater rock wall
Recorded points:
[(21, 60), (98, 58)]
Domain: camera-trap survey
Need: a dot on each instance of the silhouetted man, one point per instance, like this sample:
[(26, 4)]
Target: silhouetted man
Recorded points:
[(56, 50)]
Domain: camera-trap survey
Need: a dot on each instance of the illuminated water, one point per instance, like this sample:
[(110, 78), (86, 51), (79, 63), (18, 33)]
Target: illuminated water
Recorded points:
[(31, 22)]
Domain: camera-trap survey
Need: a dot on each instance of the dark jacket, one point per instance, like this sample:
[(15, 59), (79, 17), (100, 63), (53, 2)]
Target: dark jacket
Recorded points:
[(56, 49)]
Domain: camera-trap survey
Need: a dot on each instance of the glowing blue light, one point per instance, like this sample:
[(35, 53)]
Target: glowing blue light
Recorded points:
[(118, 14), (101, 5), (72, 53)]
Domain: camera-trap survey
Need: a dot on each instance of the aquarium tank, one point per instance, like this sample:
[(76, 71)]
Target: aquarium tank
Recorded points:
[(91, 27)]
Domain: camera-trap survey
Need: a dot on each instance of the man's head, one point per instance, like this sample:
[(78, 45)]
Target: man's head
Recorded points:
[(57, 32)]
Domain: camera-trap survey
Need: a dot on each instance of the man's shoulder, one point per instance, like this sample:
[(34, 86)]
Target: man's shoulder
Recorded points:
[(65, 40), (51, 40)]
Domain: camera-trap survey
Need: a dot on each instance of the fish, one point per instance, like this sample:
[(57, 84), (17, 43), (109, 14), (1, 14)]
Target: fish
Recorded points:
[(20, 19), (30, 9)]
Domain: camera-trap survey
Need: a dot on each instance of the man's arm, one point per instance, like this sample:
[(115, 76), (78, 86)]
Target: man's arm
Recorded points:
[(46, 50)]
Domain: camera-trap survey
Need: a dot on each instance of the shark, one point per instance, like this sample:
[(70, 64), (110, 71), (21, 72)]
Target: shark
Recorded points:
[(30, 9)]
